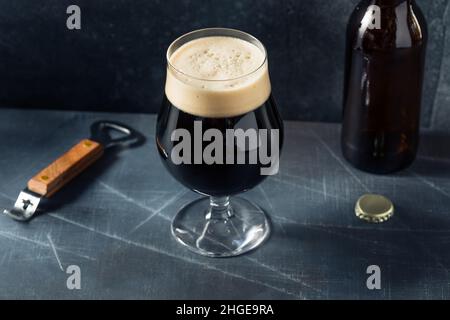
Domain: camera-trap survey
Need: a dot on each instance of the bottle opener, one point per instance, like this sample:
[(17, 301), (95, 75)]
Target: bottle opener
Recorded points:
[(51, 179)]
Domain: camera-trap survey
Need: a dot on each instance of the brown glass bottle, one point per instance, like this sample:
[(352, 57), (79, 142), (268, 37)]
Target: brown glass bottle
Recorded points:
[(383, 85)]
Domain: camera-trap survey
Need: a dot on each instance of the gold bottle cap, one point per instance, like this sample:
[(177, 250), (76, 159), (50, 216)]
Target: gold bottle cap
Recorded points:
[(374, 208)]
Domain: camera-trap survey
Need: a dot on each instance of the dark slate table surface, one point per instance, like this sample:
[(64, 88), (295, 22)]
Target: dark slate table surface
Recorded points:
[(114, 222)]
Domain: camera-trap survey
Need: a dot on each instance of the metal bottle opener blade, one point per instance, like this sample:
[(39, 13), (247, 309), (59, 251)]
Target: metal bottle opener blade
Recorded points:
[(69, 165), (25, 206)]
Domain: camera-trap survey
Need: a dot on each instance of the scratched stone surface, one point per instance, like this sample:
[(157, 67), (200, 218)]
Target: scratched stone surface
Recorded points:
[(114, 222)]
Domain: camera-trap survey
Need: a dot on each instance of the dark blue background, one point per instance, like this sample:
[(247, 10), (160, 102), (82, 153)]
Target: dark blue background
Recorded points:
[(117, 61)]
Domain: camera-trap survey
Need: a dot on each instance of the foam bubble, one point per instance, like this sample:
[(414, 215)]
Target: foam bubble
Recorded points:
[(218, 77)]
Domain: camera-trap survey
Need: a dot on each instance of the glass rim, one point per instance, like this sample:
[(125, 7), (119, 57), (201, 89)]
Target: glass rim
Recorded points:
[(229, 33)]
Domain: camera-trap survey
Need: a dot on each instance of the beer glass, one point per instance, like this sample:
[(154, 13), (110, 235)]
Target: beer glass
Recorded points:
[(216, 131)]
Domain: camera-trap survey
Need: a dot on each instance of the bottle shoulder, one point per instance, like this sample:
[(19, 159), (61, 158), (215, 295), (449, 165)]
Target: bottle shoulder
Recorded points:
[(382, 28)]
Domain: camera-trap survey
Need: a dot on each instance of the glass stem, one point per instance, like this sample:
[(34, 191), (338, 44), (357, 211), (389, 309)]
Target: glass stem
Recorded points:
[(219, 208)]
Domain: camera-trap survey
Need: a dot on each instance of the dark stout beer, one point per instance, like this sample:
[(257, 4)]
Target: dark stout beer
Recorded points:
[(220, 83), (383, 85), (215, 179)]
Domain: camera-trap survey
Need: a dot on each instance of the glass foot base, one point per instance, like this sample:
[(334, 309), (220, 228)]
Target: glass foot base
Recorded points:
[(221, 227)]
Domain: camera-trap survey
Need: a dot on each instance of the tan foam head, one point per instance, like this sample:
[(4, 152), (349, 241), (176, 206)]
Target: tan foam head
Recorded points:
[(218, 77)]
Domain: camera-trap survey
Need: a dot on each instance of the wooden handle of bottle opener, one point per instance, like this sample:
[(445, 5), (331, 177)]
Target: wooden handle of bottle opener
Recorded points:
[(65, 168)]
